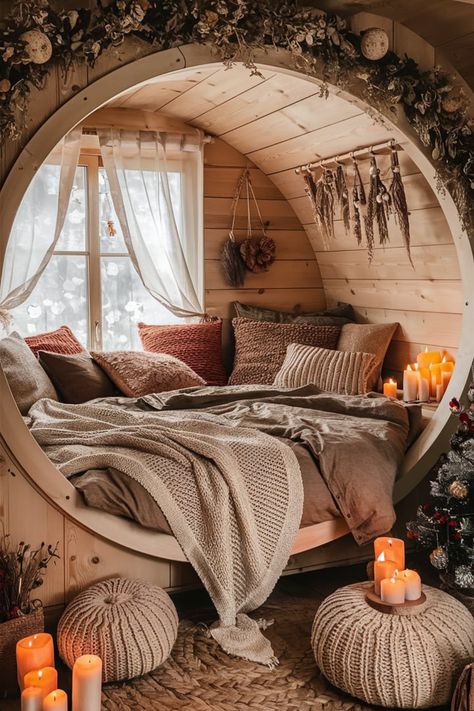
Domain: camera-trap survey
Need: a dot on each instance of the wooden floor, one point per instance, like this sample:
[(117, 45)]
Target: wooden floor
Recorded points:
[(196, 605)]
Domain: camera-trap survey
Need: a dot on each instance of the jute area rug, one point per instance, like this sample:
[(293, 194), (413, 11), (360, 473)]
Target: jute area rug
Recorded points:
[(199, 676)]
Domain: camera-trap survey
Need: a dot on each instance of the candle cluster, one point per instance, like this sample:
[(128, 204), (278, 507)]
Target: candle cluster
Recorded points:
[(394, 583), (38, 678), (428, 378)]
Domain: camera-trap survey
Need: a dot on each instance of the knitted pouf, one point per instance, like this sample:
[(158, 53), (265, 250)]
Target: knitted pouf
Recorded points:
[(130, 624), (401, 660)]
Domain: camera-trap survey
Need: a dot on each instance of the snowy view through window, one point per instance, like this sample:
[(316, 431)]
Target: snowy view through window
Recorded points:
[(64, 295)]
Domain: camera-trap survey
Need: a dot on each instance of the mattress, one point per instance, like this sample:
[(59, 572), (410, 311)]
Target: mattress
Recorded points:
[(111, 491)]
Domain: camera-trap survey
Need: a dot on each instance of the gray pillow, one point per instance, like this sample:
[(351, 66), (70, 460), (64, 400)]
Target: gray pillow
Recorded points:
[(26, 378), (337, 316)]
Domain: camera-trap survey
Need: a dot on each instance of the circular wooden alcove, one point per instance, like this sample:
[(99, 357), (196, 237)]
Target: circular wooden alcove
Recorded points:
[(302, 126)]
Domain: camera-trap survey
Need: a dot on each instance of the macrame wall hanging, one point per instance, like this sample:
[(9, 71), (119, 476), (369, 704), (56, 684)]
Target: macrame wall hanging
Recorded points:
[(256, 252), (367, 214)]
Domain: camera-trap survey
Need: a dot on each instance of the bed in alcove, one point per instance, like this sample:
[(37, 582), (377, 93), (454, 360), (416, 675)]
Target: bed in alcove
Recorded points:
[(272, 124)]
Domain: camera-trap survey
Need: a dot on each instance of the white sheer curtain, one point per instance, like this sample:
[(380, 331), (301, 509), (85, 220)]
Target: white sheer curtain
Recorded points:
[(38, 225), (155, 182)]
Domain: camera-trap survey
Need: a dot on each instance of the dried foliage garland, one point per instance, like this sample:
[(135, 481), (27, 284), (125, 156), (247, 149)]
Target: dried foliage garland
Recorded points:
[(35, 36)]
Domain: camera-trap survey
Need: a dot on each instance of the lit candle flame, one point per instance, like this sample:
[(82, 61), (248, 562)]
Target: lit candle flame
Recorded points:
[(444, 359), (30, 643), (381, 556), (409, 366), (426, 349), (395, 573), (392, 580), (40, 674), (390, 542), (416, 366), (392, 382)]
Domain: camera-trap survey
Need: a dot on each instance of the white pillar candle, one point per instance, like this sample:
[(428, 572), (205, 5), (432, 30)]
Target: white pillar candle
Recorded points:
[(412, 584), (87, 683), (410, 384), (32, 699), (422, 384), (392, 590), (55, 701)]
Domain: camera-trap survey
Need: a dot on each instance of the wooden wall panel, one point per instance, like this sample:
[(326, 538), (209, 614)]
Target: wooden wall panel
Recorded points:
[(294, 280)]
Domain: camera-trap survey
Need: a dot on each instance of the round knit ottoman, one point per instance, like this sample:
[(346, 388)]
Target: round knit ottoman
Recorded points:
[(401, 660), (130, 624)]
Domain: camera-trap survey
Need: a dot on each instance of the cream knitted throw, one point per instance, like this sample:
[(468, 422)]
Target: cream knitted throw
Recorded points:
[(232, 496)]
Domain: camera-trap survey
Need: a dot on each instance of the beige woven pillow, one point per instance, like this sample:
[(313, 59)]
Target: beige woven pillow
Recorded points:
[(260, 347), (333, 371), (138, 373), (368, 338)]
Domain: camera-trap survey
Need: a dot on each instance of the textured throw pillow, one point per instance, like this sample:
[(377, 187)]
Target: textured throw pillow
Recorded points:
[(260, 347), (26, 378), (368, 338), (333, 371), (62, 340), (340, 314), (77, 378), (199, 345), (136, 373)]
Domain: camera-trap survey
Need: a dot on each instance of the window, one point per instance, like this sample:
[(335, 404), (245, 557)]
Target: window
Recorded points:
[(90, 283)]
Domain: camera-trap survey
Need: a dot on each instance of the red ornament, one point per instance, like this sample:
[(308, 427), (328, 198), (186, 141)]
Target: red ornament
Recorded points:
[(413, 535)]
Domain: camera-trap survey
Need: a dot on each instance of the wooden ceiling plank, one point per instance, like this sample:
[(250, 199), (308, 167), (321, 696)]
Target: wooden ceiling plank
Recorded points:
[(290, 121), (346, 135), (213, 91), (153, 96), (274, 94)]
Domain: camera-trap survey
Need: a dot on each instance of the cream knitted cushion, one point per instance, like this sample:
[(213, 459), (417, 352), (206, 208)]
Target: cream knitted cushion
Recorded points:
[(333, 371), (130, 624), (402, 661)]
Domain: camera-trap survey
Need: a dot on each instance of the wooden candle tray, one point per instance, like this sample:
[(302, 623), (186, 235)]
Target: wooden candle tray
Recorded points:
[(406, 608)]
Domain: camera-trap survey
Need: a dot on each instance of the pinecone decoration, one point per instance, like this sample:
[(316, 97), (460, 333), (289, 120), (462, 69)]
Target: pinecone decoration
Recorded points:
[(464, 577), (258, 253)]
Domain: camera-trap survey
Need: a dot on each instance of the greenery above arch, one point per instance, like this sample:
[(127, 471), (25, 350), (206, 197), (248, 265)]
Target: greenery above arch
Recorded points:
[(35, 35)]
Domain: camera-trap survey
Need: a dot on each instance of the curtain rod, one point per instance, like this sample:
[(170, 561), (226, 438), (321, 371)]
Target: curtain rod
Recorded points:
[(89, 131), (350, 154)]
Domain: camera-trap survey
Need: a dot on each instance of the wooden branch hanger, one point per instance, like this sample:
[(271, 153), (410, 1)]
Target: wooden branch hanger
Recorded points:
[(350, 154)]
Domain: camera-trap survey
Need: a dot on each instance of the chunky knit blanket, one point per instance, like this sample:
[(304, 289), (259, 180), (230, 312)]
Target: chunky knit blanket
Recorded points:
[(232, 496)]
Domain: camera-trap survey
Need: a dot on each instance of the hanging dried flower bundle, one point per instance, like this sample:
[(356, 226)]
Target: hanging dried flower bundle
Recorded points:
[(377, 209), (232, 263), (256, 252), (342, 193), (359, 202), (324, 205), (399, 201)]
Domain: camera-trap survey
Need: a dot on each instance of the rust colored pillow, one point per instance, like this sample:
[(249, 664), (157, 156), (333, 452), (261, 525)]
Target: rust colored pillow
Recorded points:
[(62, 340), (260, 347), (136, 373), (199, 345)]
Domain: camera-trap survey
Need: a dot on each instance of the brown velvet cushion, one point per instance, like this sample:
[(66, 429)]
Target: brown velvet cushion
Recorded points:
[(340, 314), (77, 378), (138, 373), (62, 340), (260, 347), (333, 371), (368, 338), (26, 378)]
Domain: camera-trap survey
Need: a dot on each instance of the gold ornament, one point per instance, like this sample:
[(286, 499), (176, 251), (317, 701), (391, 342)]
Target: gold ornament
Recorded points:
[(458, 489), (39, 49), (374, 43), (439, 558)]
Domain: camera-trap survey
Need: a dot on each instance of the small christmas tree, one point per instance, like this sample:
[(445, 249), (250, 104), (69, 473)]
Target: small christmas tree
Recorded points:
[(446, 524)]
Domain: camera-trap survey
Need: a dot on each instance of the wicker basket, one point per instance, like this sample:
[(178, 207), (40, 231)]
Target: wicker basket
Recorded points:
[(10, 633)]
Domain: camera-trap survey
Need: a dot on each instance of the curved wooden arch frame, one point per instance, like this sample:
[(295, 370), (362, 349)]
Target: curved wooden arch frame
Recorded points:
[(20, 445)]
